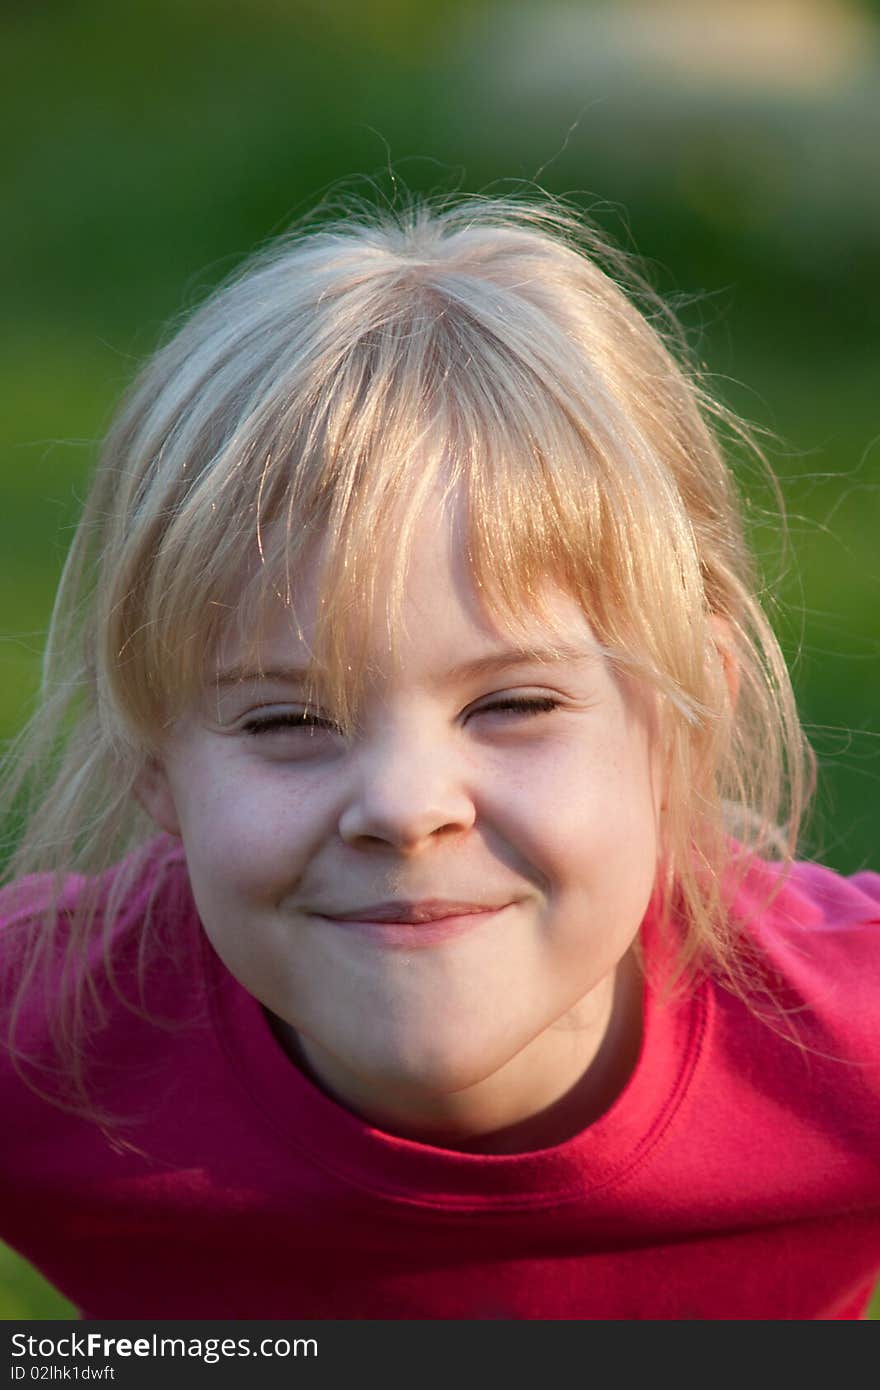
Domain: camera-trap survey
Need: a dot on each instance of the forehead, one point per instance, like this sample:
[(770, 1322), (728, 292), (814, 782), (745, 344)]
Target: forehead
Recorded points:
[(445, 618)]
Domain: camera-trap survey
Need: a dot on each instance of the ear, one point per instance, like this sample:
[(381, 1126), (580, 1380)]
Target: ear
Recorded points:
[(722, 634), (153, 791)]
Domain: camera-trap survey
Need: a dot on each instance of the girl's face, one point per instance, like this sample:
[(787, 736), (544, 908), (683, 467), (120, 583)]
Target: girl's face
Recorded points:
[(521, 1020)]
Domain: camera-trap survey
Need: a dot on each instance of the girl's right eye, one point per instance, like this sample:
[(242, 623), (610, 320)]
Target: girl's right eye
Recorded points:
[(297, 719)]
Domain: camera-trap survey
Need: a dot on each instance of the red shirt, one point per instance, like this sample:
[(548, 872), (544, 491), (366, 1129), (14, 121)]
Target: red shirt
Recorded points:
[(737, 1176)]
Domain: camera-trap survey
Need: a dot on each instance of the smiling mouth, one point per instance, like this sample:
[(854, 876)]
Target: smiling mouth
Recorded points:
[(414, 913), (413, 935)]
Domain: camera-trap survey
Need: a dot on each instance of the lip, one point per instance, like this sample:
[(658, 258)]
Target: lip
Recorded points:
[(419, 934), (413, 913)]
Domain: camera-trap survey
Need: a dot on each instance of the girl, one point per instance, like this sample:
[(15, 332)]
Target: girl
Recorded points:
[(401, 926)]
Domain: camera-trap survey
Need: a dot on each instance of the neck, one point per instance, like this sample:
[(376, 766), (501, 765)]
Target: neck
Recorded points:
[(559, 1084)]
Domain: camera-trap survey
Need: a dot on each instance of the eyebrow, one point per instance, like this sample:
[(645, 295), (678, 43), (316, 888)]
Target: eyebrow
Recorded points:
[(463, 671)]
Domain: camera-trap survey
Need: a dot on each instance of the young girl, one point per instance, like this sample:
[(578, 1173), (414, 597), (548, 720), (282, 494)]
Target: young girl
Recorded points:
[(401, 925)]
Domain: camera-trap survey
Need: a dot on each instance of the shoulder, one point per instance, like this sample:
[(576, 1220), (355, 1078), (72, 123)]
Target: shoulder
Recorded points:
[(809, 909), (59, 933), (817, 933), (102, 1002), (144, 866), (152, 877)]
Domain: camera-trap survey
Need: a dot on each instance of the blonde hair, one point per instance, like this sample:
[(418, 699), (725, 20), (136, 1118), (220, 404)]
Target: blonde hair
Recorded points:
[(493, 345)]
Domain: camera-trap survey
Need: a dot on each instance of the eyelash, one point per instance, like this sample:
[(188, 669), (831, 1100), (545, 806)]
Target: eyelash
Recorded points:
[(272, 723)]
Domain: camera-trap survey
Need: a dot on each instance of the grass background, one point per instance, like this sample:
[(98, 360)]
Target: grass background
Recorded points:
[(148, 149)]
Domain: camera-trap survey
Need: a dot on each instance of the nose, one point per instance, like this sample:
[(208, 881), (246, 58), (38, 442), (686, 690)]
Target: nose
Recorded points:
[(407, 790)]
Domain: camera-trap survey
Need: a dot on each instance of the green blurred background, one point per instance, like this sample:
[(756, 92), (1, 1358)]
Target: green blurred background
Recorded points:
[(149, 146)]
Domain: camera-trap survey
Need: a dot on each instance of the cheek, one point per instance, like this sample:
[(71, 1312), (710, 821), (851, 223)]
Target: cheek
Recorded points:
[(594, 802), (247, 834)]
